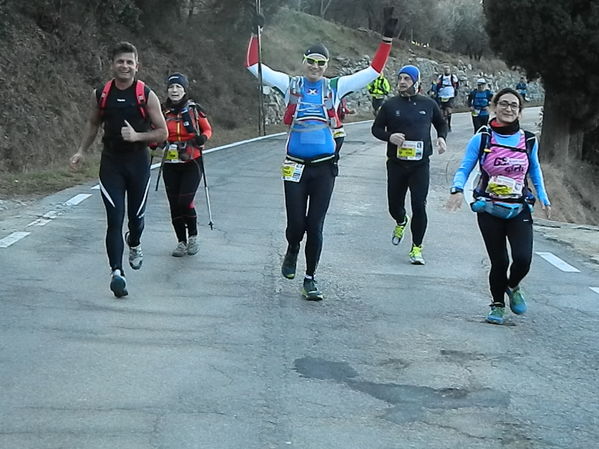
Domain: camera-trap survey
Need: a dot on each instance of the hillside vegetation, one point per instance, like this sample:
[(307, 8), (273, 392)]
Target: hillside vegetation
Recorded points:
[(48, 69)]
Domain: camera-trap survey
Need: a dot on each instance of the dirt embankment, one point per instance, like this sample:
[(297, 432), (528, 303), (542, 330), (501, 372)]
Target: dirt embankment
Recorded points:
[(46, 75)]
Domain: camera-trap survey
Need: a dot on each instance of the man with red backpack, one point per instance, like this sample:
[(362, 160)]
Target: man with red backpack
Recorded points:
[(131, 116)]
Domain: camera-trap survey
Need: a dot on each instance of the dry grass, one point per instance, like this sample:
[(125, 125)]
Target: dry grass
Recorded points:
[(572, 189), (45, 86)]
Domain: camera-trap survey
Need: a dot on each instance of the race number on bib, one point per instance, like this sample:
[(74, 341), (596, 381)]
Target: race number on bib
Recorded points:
[(502, 186), (291, 171), (171, 153), (411, 150)]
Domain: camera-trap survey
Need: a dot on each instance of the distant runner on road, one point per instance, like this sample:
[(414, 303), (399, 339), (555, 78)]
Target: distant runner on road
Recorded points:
[(447, 89), (309, 168), (479, 100)]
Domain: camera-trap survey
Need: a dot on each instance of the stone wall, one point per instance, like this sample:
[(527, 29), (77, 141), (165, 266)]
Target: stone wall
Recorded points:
[(429, 68)]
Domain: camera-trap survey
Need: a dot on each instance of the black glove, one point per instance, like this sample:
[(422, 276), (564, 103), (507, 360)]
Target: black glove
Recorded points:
[(201, 140), (390, 27), (258, 21)]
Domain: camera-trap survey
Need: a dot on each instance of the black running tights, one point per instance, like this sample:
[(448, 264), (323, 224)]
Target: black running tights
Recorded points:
[(121, 175), (416, 178), (181, 182), (496, 233), (307, 203)]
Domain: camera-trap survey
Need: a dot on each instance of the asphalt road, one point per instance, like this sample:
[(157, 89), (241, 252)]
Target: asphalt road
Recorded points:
[(219, 351)]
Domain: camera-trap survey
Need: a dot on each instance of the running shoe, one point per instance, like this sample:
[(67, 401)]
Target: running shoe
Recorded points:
[(416, 255), (289, 263), (180, 250), (399, 230), (310, 290), (517, 301), (118, 284), (192, 245), (496, 314), (136, 255)]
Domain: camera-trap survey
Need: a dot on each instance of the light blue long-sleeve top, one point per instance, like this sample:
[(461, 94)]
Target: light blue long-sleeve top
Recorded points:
[(472, 154)]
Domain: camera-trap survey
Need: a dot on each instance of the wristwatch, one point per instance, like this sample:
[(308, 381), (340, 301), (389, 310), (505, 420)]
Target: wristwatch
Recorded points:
[(455, 190)]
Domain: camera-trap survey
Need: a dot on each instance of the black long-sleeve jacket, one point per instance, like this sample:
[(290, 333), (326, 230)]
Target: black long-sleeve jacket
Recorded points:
[(412, 116)]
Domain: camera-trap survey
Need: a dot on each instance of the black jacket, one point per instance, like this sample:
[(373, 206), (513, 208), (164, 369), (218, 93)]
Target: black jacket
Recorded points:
[(412, 116)]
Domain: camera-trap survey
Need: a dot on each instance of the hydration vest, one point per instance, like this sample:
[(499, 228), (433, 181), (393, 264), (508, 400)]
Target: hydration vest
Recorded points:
[(329, 115), (183, 127), (487, 143), (452, 83), (480, 99), (141, 93)]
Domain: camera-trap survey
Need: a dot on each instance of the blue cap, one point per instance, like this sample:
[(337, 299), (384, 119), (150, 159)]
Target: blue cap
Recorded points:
[(178, 78), (412, 71)]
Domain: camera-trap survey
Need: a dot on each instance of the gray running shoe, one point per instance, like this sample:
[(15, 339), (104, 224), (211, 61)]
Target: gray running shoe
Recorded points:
[(192, 245), (180, 250), (118, 284), (311, 291), (136, 255), (289, 264)]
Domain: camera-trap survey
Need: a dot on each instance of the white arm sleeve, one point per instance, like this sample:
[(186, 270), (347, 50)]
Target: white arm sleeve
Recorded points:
[(278, 80), (355, 81)]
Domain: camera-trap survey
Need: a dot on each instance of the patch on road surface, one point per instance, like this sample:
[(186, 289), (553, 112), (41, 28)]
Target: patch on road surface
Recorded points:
[(316, 368), (412, 401)]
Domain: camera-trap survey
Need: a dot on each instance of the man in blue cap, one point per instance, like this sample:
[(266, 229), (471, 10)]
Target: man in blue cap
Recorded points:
[(404, 122)]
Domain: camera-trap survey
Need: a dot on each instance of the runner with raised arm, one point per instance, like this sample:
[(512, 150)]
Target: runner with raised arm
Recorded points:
[(309, 167)]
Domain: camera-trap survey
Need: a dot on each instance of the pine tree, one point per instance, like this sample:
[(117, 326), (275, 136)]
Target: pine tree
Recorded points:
[(558, 42)]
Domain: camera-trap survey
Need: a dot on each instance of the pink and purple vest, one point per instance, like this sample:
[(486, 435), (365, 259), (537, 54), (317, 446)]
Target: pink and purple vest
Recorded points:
[(501, 162)]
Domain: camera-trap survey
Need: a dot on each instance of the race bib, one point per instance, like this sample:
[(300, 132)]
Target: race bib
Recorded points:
[(339, 132), (411, 150), (445, 99), (502, 186), (291, 171), (171, 153)]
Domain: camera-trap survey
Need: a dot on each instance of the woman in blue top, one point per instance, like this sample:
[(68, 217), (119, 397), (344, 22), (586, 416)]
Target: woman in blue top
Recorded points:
[(503, 201)]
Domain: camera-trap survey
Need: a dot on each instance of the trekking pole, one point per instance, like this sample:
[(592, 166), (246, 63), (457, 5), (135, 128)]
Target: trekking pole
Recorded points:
[(261, 115), (207, 193), (160, 168)]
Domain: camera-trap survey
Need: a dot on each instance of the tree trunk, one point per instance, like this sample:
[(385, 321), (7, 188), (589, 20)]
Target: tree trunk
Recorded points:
[(324, 6), (555, 133)]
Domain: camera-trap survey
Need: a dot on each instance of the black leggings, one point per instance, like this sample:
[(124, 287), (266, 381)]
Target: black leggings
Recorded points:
[(496, 233), (478, 121), (181, 182), (316, 185), (120, 174), (416, 178)]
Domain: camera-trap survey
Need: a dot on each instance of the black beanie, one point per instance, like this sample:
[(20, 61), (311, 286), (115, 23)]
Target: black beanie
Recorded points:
[(317, 49), (177, 78)]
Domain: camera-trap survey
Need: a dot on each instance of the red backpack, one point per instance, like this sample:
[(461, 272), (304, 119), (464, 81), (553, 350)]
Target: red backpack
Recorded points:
[(140, 96)]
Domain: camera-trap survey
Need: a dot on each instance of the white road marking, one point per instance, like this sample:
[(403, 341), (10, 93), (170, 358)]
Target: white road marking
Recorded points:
[(13, 238), (50, 215), (558, 263), (234, 144), (39, 222), (97, 186), (595, 289), (77, 199), (44, 219)]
